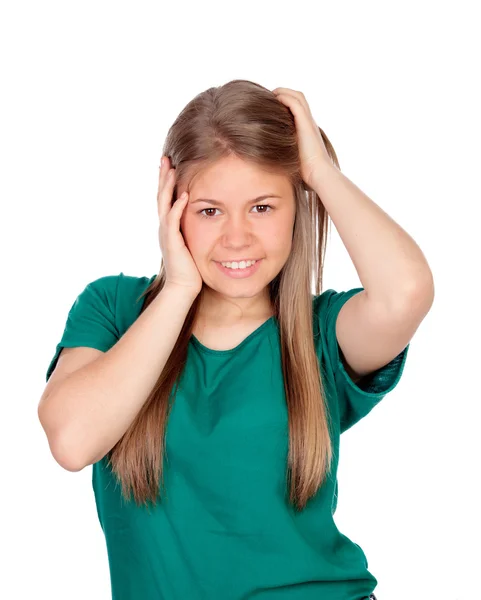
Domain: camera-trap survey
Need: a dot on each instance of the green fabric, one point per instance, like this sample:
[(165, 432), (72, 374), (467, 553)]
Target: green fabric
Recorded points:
[(226, 530)]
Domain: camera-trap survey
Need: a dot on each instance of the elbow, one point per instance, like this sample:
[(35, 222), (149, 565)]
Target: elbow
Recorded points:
[(64, 456), (60, 448), (422, 295), (417, 298)]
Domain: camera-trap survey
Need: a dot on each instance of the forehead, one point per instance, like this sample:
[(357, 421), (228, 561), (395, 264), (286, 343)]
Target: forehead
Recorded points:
[(235, 180)]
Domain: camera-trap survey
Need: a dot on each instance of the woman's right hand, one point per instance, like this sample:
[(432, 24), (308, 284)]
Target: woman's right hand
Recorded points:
[(181, 270)]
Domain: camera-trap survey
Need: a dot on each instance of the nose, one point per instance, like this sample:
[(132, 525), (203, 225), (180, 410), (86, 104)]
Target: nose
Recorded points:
[(237, 230), (237, 240)]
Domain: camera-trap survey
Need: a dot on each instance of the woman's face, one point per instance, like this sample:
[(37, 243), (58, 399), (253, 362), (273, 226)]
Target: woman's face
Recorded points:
[(228, 225)]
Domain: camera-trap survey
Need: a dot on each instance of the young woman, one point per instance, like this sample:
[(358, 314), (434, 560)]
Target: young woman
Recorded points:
[(210, 397)]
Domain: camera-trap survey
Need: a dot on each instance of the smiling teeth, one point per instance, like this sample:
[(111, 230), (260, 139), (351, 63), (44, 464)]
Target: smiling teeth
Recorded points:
[(242, 265)]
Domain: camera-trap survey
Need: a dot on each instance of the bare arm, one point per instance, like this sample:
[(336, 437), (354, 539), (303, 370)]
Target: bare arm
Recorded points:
[(91, 409)]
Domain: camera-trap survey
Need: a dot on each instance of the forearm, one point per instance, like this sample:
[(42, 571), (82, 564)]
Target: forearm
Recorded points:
[(390, 265)]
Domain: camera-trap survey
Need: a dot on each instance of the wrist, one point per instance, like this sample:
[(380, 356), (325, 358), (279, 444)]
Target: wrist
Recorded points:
[(182, 291)]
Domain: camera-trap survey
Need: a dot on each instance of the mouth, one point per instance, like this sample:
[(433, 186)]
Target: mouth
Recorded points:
[(240, 273)]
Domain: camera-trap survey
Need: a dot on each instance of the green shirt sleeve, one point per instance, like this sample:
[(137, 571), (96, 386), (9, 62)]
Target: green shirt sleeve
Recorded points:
[(356, 400), (91, 320)]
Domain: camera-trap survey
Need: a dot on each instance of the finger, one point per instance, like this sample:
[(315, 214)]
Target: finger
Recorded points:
[(282, 90), (164, 167), (164, 195), (163, 171), (289, 94), (179, 205), (177, 209)]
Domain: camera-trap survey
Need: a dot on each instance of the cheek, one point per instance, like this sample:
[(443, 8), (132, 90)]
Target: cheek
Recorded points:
[(276, 235)]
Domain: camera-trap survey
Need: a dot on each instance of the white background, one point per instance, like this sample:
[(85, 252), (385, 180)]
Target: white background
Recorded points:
[(89, 91)]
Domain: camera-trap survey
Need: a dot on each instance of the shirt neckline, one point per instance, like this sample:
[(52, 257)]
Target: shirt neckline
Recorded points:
[(246, 340)]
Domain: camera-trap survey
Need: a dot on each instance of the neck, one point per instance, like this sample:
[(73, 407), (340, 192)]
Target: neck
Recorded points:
[(219, 310)]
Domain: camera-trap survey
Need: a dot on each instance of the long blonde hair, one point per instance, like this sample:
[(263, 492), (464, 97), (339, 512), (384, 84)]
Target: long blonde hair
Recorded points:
[(244, 119)]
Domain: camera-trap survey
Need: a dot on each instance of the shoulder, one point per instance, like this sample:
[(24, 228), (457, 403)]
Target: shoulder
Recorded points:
[(115, 291), (130, 287), (98, 292), (108, 283), (130, 298), (326, 306)]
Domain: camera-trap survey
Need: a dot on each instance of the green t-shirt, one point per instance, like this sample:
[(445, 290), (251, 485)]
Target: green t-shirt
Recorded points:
[(225, 530)]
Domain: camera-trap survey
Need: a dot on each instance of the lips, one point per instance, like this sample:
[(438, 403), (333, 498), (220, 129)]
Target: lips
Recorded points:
[(237, 260)]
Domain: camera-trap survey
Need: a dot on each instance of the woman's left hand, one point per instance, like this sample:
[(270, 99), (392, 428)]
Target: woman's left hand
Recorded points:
[(312, 150)]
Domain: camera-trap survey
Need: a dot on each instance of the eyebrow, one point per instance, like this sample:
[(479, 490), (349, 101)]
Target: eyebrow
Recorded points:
[(217, 203)]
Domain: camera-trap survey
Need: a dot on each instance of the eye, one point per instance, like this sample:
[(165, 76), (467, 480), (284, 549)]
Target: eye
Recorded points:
[(256, 206)]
